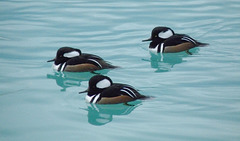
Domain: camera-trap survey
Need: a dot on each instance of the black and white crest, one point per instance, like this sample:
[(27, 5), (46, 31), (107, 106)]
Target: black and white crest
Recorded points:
[(165, 34), (103, 84), (71, 54)]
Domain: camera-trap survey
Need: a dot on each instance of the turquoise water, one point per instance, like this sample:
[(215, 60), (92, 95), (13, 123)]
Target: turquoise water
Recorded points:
[(196, 97)]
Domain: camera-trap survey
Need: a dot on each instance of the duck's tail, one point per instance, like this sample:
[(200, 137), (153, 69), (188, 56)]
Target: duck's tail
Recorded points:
[(143, 97), (202, 44), (107, 65), (110, 66)]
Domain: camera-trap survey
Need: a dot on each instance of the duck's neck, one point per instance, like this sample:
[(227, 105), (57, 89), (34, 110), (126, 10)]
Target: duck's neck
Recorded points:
[(60, 61)]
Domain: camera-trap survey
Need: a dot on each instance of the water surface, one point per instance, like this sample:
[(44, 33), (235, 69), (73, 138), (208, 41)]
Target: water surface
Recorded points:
[(196, 97)]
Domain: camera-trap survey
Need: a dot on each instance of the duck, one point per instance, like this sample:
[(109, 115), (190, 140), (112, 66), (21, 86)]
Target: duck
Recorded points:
[(73, 60), (165, 40), (102, 90)]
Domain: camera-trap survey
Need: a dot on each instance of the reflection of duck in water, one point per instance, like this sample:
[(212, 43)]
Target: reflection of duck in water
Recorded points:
[(164, 40), (164, 62), (67, 79), (73, 60), (101, 114), (102, 90)]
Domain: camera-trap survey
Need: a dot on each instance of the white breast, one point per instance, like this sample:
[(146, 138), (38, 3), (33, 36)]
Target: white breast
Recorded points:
[(153, 50), (55, 67), (93, 97)]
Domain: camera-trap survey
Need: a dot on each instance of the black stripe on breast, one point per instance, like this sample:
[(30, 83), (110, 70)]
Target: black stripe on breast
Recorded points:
[(93, 99), (62, 67), (158, 48), (59, 68)]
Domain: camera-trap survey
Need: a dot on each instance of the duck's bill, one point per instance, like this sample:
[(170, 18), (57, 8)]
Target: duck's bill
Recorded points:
[(51, 60), (84, 91), (150, 39)]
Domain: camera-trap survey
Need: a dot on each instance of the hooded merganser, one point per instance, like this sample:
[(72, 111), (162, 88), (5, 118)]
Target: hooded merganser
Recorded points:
[(102, 90), (164, 40), (72, 60)]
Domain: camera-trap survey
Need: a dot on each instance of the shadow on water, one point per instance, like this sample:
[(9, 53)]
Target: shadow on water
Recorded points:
[(101, 114), (71, 79), (164, 62)]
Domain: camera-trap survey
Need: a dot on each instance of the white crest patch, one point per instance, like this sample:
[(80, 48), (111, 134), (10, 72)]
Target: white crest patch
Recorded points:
[(71, 54), (166, 34), (103, 83)]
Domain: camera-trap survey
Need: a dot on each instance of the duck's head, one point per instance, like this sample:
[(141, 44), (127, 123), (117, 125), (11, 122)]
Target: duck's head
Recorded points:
[(160, 34), (65, 53), (97, 84)]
